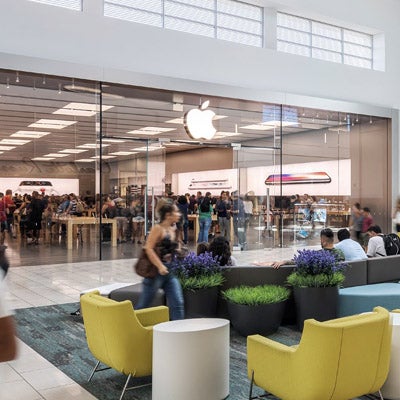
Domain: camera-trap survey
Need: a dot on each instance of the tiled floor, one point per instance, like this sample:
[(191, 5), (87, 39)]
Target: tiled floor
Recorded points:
[(31, 377)]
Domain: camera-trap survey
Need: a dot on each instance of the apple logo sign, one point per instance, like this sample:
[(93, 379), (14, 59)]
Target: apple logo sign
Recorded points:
[(198, 122)]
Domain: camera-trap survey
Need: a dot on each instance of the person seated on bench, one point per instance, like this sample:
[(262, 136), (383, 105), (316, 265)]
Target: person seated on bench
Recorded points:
[(326, 244), (351, 249), (376, 245)]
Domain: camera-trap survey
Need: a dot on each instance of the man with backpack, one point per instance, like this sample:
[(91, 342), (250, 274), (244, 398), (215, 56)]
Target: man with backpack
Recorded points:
[(391, 243), (376, 244)]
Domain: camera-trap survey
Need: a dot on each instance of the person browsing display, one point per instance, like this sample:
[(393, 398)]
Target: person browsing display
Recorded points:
[(161, 246)]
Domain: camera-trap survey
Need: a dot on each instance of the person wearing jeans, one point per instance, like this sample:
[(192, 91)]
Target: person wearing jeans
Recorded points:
[(161, 246), (205, 209), (238, 214), (173, 293)]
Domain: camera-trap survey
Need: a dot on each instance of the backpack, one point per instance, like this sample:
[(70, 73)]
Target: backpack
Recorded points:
[(205, 205), (392, 244)]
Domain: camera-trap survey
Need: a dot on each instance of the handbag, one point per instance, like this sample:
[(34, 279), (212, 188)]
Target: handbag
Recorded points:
[(144, 267)]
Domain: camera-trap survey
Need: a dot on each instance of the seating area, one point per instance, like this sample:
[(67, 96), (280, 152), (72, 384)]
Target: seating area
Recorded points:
[(332, 350), (369, 283), (338, 359), (120, 337)]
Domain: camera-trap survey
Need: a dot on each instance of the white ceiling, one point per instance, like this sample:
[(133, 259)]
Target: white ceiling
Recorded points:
[(26, 99)]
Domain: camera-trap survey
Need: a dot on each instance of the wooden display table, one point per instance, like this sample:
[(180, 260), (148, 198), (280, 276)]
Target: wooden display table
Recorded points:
[(70, 221)]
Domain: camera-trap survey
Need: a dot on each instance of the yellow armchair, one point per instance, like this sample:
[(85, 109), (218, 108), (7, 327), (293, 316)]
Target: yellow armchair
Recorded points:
[(120, 337), (335, 360)]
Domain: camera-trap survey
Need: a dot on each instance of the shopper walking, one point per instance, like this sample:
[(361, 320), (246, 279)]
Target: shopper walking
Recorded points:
[(161, 246)]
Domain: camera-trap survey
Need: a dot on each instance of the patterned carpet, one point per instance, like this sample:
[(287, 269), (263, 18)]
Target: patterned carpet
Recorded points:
[(60, 338)]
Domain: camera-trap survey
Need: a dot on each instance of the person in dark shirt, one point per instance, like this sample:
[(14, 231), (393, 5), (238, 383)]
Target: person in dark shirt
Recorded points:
[(35, 216), (183, 223)]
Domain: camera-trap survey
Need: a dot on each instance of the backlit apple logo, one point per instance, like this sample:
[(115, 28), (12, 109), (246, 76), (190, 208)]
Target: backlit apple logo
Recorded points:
[(198, 122)]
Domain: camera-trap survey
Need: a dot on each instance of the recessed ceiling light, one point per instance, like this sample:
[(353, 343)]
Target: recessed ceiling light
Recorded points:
[(56, 155), (7, 147), (87, 107), (123, 153), (257, 127), (84, 89), (51, 123), (173, 144), (277, 123), (188, 141), (30, 134), (151, 130), (92, 146), (269, 125), (72, 151), (113, 140), (75, 113), (150, 148), (175, 121), (180, 120), (17, 142), (42, 159), (85, 160), (103, 157), (81, 109), (226, 134)]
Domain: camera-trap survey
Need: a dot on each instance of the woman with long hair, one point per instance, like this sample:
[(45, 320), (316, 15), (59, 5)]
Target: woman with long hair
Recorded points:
[(161, 246)]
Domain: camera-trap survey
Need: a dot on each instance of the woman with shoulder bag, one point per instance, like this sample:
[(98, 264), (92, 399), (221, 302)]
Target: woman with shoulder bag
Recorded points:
[(161, 246)]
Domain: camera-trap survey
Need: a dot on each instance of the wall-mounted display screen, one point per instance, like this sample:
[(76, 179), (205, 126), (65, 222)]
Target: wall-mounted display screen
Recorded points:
[(309, 177)]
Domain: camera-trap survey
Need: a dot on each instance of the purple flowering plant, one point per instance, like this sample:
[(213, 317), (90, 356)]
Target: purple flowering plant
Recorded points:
[(317, 268), (314, 262), (195, 265), (197, 271)]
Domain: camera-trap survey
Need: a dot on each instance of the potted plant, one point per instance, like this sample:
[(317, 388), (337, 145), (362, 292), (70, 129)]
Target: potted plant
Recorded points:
[(315, 281), (200, 277), (257, 309)]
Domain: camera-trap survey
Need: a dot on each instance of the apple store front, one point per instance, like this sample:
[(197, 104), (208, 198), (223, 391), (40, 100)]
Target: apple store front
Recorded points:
[(296, 169)]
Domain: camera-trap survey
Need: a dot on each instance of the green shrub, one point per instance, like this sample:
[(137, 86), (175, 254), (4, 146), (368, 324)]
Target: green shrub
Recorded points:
[(254, 296), (320, 280), (201, 281)]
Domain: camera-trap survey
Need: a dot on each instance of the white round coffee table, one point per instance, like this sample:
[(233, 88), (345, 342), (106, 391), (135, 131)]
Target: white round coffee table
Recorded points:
[(391, 388), (191, 359)]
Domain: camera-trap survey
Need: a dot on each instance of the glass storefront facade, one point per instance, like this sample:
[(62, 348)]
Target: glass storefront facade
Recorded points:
[(296, 170)]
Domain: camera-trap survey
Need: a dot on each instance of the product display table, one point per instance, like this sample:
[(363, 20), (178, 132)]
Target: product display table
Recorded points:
[(71, 221), (391, 388), (191, 359)]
